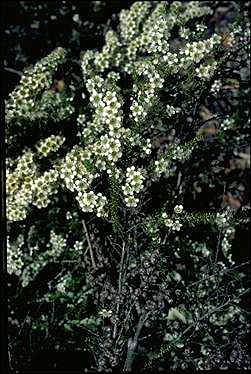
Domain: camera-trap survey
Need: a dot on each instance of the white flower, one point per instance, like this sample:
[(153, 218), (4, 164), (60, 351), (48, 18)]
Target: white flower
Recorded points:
[(177, 225), (178, 209), (168, 222)]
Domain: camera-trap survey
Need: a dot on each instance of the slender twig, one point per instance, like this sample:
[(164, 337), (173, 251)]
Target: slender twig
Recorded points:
[(218, 308), (89, 244), (218, 245), (120, 277), (132, 343), (14, 71), (196, 105), (53, 311), (133, 227), (113, 244), (124, 322), (219, 239), (12, 341), (60, 261), (9, 355), (223, 272), (165, 238), (179, 182), (91, 332)]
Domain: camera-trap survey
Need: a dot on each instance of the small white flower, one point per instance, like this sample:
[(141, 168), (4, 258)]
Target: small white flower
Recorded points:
[(178, 209), (168, 222), (177, 225)]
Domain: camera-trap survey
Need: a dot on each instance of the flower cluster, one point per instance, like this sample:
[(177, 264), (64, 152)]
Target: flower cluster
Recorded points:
[(18, 186), (227, 124), (107, 102), (226, 243), (77, 178), (246, 35), (57, 245), (87, 63), (43, 187), (73, 171), (196, 51), (184, 33), (55, 105), (171, 110), (181, 153), (172, 61), (200, 249), (130, 20), (174, 224), (63, 282), (15, 255), (109, 148), (90, 202), (222, 219), (134, 184), (80, 122), (155, 33), (147, 146), (109, 54), (104, 135), (138, 111), (216, 86), (48, 145), (22, 99), (107, 122), (78, 246), (190, 10), (25, 186), (37, 260), (200, 27), (163, 166), (156, 28), (145, 95), (205, 71), (104, 313)]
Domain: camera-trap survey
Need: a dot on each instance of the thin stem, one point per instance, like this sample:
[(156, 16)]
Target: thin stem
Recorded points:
[(132, 343), (218, 244), (14, 71), (89, 244), (124, 322), (223, 272), (120, 277)]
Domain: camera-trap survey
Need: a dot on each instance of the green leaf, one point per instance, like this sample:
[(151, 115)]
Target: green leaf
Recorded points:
[(174, 314)]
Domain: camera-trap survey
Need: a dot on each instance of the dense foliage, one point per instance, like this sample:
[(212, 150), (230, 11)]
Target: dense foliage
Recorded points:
[(123, 207)]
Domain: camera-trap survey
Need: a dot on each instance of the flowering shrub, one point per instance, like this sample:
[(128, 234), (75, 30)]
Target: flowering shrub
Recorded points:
[(78, 200)]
